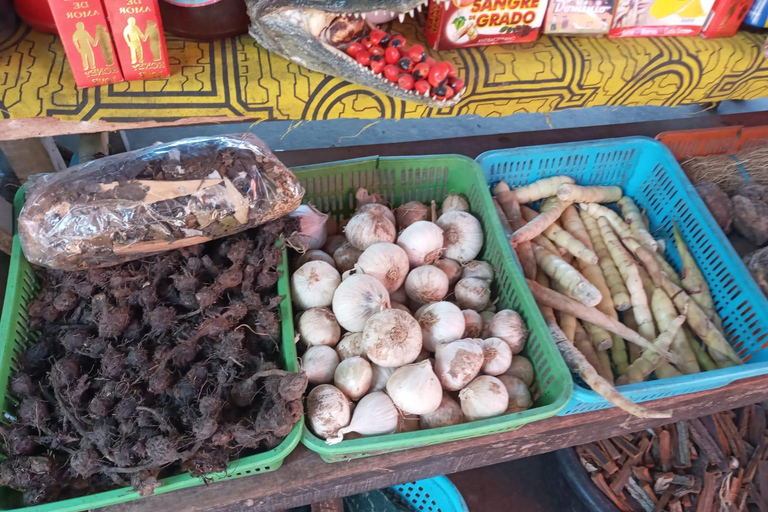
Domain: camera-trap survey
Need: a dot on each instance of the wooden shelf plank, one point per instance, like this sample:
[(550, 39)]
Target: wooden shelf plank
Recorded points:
[(236, 80), (304, 478)]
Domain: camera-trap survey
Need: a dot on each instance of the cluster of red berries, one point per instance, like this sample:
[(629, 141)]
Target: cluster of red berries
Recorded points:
[(410, 67)]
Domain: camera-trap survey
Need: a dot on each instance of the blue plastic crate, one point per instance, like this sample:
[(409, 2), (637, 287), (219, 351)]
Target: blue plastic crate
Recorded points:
[(647, 172)]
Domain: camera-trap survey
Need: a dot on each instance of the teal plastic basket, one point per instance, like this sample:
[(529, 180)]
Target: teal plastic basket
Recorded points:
[(648, 172), (15, 336), (431, 495), (331, 188)]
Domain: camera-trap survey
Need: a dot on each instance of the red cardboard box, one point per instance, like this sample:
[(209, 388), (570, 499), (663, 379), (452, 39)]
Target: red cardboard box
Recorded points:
[(84, 32), (465, 23), (645, 18), (725, 18), (139, 37)]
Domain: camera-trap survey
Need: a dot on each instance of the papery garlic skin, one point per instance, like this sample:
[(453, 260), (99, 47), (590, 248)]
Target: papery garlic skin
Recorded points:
[(458, 362), (414, 388), (440, 322), (463, 235), (519, 395), (479, 269), (319, 363), (353, 377), (392, 338), (426, 283), (473, 293), (351, 345), (318, 326), (369, 227), (328, 410), (509, 326), (357, 299), (386, 262), (449, 413), (497, 356), (484, 397), (312, 228), (422, 241), (374, 415)]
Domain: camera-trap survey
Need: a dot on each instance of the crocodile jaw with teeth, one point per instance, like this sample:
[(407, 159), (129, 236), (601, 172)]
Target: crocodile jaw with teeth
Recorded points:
[(293, 29)]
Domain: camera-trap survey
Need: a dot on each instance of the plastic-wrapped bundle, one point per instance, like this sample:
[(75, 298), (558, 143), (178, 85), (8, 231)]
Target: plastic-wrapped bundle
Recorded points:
[(163, 197)]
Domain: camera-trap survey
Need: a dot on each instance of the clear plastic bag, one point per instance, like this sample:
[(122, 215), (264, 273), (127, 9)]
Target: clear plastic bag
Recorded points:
[(127, 206)]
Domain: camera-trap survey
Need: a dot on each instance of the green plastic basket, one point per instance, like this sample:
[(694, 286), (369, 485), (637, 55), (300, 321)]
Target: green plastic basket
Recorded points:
[(21, 289), (331, 188)]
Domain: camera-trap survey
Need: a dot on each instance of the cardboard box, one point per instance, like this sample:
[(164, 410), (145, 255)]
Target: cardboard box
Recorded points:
[(139, 38), (465, 23), (645, 18), (579, 17), (725, 18), (84, 32)]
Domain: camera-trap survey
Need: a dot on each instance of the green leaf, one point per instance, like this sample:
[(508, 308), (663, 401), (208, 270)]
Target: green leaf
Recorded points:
[(459, 22)]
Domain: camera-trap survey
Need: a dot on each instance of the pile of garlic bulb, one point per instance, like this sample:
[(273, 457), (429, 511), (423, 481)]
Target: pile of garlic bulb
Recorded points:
[(398, 327)]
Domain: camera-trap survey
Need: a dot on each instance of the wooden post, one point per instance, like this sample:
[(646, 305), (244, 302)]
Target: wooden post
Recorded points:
[(32, 156), (92, 146)]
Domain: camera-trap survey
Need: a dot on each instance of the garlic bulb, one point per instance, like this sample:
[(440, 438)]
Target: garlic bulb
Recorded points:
[(521, 368), (315, 255), (379, 209), (319, 363), (401, 307), (455, 202), (399, 295), (346, 257), (440, 322), (473, 293), (484, 397), (414, 389), (386, 262), (458, 362), (426, 283), (408, 213), (392, 338), (327, 410), (509, 326), (318, 326), (473, 324), (487, 316), (452, 269), (422, 241), (380, 376), (357, 299), (519, 396), (497, 356), (369, 227), (351, 345), (479, 269), (333, 242), (312, 229), (449, 413), (374, 415), (353, 377), (314, 284), (463, 235), (418, 312)]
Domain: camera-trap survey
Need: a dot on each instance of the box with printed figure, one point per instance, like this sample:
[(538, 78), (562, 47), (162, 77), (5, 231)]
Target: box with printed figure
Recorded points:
[(643, 18), (579, 17), (84, 32), (139, 38), (725, 18)]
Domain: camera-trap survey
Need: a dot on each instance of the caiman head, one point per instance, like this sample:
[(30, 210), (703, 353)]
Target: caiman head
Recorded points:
[(315, 33)]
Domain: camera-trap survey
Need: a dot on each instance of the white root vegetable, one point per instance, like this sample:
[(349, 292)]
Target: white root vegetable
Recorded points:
[(328, 410), (318, 326), (484, 397), (353, 377), (473, 324), (578, 194), (312, 229), (368, 227), (510, 327), (634, 220), (346, 257), (379, 377), (612, 277), (568, 277), (314, 284), (319, 363), (519, 396), (357, 299), (392, 338), (497, 356), (440, 322), (479, 269), (374, 415), (563, 239), (351, 345), (422, 241), (550, 212), (386, 262), (408, 213), (473, 293), (463, 235), (415, 389), (449, 413), (455, 202), (546, 187), (452, 269), (521, 368), (425, 284), (458, 362)]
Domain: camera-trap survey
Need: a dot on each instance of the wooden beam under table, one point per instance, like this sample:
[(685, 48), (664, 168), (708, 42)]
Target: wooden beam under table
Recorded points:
[(304, 478), (31, 156)]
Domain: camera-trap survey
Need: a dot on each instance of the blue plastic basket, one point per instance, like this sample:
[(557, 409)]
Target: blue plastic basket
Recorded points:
[(647, 171), (432, 495)]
